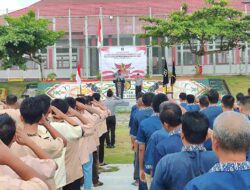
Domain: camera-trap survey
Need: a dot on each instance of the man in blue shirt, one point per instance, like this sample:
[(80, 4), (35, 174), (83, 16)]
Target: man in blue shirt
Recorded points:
[(145, 112), (171, 119), (231, 139), (212, 111), (244, 106), (174, 171), (191, 106), (182, 99), (147, 128), (227, 103)]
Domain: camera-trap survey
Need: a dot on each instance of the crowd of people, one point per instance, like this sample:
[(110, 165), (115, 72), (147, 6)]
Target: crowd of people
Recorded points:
[(55, 144), (196, 143), (192, 144)]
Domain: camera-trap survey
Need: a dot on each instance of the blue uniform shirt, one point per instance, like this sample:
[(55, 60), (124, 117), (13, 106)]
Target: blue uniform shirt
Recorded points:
[(155, 138), (171, 144), (212, 112), (147, 128), (134, 109), (192, 107), (183, 104), (174, 171), (226, 176), (142, 114)]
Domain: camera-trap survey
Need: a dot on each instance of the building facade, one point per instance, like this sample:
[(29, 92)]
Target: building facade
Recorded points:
[(121, 23)]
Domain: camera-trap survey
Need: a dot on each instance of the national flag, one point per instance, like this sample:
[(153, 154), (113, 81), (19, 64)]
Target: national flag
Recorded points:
[(78, 74), (173, 77), (100, 35), (165, 74)]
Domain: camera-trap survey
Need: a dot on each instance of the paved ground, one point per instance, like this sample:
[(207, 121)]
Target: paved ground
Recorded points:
[(119, 180)]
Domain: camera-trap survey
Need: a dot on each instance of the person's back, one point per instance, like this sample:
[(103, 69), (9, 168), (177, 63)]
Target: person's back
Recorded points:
[(213, 110), (191, 106), (182, 167), (155, 138), (174, 171), (171, 144), (231, 139), (225, 177)]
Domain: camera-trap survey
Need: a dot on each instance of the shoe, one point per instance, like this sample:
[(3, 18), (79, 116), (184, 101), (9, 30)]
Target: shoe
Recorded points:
[(135, 183), (98, 184), (103, 164), (112, 146), (108, 146)]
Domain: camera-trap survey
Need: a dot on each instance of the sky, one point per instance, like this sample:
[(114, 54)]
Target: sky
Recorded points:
[(15, 4)]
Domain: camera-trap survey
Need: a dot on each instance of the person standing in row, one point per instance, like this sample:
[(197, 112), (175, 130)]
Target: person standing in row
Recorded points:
[(138, 84), (119, 83), (111, 102)]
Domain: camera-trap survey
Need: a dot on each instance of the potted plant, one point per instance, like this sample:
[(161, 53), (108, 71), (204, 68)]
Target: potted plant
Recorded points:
[(51, 77)]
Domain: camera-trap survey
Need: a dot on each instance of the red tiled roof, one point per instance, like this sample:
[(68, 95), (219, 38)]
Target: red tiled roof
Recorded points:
[(123, 8), (113, 7)]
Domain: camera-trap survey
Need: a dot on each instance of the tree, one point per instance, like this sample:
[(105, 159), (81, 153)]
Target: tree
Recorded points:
[(216, 22), (23, 38)]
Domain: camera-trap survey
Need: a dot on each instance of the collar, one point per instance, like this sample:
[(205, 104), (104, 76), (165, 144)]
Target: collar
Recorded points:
[(155, 114), (230, 167), (175, 132), (193, 147), (146, 108)]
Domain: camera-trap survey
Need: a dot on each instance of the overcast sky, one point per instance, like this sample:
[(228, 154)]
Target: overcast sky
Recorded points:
[(15, 4)]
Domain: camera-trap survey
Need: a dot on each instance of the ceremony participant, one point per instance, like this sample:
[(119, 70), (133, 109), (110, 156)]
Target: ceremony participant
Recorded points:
[(111, 103), (135, 108), (174, 171), (244, 106), (231, 139), (238, 98), (155, 138), (213, 110), (248, 91), (145, 112), (171, 120), (227, 103), (203, 101), (9, 134), (70, 167), (28, 178), (191, 106), (138, 84), (119, 83), (147, 128), (12, 102), (183, 99), (32, 115)]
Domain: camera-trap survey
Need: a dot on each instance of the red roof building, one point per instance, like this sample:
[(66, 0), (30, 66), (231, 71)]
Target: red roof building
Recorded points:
[(120, 23)]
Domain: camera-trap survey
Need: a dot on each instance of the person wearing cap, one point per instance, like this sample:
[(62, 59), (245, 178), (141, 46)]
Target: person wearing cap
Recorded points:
[(138, 84)]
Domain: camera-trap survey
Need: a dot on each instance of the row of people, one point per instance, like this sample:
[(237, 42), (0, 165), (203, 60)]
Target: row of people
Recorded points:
[(56, 142), (187, 127)]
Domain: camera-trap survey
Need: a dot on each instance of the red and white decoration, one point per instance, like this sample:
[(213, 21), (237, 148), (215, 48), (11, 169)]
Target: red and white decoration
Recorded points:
[(78, 74), (100, 35), (129, 59)]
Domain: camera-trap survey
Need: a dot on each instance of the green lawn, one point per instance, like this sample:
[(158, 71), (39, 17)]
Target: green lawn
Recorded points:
[(122, 153)]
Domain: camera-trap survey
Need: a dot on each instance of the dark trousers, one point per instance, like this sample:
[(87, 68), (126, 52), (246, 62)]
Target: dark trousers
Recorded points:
[(111, 122), (101, 148), (95, 169), (137, 90), (76, 185), (117, 91)]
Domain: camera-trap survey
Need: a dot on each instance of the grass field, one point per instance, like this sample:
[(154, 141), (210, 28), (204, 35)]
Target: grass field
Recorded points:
[(122, 153)]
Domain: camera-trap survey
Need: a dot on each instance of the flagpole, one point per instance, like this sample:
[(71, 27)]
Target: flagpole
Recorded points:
[(101, 43)]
